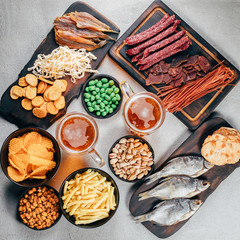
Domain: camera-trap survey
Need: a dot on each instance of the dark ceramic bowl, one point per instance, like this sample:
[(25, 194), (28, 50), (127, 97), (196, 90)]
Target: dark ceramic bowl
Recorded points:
[(99, 223), (18, 213), (143, 141), (116, 83), (32, 182)]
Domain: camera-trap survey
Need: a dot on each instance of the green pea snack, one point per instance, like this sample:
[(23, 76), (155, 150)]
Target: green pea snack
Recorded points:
[(101, 96)]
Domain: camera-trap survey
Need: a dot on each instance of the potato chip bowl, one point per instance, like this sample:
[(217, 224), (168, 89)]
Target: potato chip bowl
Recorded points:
[(30, 182), (98, 223)]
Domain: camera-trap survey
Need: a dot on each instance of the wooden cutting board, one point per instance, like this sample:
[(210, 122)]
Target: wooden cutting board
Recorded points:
[(197, 112), (12, 110), (192, 146)]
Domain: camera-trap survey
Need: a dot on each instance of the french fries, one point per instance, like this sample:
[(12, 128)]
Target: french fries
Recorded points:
[(88, 197)]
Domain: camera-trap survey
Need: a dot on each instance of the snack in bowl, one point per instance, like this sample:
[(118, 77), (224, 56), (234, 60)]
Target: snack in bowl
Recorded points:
[(30, 156), (131, 158), (88, 196), (102, 96), (39, 208), (222, 147)]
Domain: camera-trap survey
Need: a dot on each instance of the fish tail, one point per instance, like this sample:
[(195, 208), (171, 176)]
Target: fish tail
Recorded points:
[(152, 178), (143, 196), (139, 219)]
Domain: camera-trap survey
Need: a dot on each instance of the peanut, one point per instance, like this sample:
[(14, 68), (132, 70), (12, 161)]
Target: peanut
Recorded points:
[(39, 208)]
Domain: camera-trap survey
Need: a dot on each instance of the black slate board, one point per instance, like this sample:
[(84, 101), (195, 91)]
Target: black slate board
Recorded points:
[(192, 146), (11, 109), (195, 114)]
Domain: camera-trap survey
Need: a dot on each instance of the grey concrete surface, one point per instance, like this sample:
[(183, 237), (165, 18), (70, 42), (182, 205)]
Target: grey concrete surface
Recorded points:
[(25, 23)]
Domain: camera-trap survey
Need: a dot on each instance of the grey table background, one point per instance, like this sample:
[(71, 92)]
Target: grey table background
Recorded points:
[(25, 23)]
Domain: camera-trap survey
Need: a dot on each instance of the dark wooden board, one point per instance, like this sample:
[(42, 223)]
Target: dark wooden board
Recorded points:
[(193, 115), (11, 109), (192, 146)]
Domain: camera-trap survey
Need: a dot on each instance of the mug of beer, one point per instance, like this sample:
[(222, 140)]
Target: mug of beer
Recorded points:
[(143, 112), (78, 133)]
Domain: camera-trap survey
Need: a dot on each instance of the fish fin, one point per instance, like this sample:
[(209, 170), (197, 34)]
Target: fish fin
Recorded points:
[(110, 30), (143, 196), (152, 178), (139, 219)]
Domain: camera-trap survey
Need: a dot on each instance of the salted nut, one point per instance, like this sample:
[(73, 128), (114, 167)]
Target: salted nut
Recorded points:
[(131, 159)]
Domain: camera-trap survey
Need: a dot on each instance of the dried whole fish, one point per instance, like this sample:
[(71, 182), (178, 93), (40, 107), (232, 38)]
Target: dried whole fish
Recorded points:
[(192, 166), (176, 187), (81, 30), (171, 212)]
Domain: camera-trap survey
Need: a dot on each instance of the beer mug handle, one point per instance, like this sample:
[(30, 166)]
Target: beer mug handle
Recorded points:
[(126, 89), (96, 157)]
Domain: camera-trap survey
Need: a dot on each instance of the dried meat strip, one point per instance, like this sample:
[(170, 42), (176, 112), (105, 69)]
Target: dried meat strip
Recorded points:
[(166, 54), (165, 22), (163, 43), (204, 64), (164, 51), (157, 38), (137, 57)]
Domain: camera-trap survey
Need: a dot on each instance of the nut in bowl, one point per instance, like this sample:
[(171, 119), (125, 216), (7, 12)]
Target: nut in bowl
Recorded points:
[(88, 197), (30, 157), (101, 96), (131, 158), (38, 207)]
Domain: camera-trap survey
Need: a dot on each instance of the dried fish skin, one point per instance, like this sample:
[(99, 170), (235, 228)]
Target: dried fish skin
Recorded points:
[(92, 19), (171, 212), (82, 22), (192, 166), (176, 187)]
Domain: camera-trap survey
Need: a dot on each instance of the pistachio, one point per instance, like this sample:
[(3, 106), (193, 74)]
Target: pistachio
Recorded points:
[(132, 177), (123, 140), (131, 159), (113, 160)]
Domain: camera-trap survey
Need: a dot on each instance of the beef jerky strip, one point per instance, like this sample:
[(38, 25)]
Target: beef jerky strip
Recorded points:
[(167, 54), (157, 38), (161, 52), (152, 31), (162, 43), (137, 57)]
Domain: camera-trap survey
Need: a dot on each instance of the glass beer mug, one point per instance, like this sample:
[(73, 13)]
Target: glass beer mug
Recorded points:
[(143, 112)]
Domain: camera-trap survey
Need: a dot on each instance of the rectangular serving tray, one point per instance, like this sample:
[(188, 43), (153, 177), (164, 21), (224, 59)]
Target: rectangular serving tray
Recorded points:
[(12, 110), (194, 114)]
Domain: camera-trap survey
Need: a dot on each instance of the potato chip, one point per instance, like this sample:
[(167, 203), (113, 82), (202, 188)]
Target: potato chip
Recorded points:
[(39, 112), (17, 90), (15, 175), (15, 145), (27, 104), (24, 157), (38, 101), (46, 142), (16, 161), (42, 162), (31, 138), (54, 93), (60, 103), (31, 92), (40, 171), (41, 87), (38, 150), (31, 80), (51, 108), (60, 84), (22, 82), (12, 95)]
